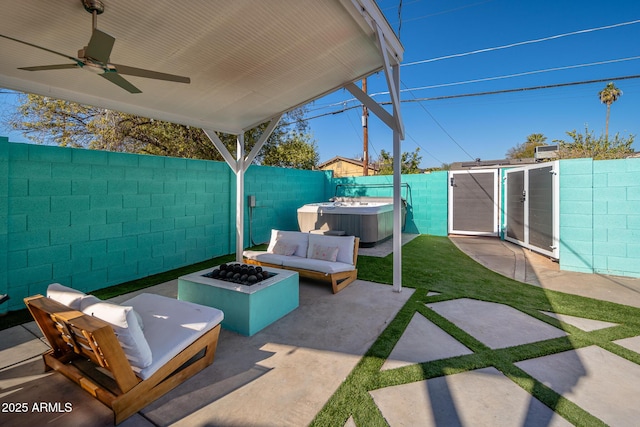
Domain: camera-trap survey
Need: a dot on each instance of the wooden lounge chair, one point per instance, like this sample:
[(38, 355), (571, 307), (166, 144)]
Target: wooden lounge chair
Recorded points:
[(86, 349)]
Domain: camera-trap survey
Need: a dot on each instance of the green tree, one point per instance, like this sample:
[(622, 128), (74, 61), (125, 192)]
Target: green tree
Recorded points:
[(527, 149), (296, 152), (598, 148), (410, 162), (44, 119), (609, 95)]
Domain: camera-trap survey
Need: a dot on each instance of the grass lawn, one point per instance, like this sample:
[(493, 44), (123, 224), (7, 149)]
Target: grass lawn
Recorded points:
[(435, 264)]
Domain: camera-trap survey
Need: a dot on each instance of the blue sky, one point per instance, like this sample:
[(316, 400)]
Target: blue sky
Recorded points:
[(486, 127)]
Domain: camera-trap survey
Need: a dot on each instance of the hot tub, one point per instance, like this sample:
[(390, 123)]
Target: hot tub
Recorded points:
[(369, 218)]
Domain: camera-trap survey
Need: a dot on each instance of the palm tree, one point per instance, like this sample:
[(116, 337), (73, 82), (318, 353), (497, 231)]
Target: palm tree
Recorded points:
[(609, 95), (527, 149)]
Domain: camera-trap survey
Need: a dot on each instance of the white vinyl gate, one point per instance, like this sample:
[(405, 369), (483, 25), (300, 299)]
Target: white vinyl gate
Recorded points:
[(474, 200), (531, 207)]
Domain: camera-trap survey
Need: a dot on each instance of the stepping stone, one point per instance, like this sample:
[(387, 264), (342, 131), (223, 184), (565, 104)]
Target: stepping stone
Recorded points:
[(580, 322), (423, 341), (632, 343), (484, 397), (495, 325), (600, 382), (432, 294)]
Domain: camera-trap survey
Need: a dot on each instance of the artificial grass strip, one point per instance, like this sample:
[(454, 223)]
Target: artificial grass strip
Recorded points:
[(435, 264)]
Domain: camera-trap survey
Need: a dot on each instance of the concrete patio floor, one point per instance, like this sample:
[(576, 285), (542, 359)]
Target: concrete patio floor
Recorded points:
[(284, 374), (281, 376)]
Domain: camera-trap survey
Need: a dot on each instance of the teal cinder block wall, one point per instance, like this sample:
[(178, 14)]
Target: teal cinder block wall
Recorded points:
[(576, 215), (426, 195), (616, 217), (91, 219), (279, 193), (600, 216)]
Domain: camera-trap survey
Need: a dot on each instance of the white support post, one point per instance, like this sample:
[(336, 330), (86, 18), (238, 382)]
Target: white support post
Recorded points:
[(239, 166), (391, 72), (397, 188), (394, 121), (240, 160)]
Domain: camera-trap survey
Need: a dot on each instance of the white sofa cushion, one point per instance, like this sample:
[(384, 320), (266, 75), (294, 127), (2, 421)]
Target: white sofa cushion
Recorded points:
[(345, 246), (127, 329), (291, 238), (263, 256), (322, 266), (65, 295), (171, 325)]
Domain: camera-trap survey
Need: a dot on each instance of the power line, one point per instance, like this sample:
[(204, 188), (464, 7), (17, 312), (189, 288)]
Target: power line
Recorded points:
[(522, 89), (525, 73), (510, 45), (485, 79), (443, 12), (399, 18), (440, 126), (496, 92)]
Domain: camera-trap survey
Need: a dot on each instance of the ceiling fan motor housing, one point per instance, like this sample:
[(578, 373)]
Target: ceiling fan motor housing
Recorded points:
[(93, 6)]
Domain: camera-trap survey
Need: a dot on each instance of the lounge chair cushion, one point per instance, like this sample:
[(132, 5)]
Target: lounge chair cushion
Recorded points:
[(127, 329), (65, 295), (88, 300), (171, 325)]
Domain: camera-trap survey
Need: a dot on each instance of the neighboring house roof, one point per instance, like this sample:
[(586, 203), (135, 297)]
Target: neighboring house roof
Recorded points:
[(356, 162)]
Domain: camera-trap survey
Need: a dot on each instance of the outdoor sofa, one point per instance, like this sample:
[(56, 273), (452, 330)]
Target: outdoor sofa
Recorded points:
[(314, 256)]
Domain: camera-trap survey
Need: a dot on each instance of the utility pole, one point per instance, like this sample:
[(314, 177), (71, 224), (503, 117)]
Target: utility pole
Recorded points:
[(365, 134)]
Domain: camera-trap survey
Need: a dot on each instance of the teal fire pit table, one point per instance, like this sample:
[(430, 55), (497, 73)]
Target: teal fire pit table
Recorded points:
[(247, 308)]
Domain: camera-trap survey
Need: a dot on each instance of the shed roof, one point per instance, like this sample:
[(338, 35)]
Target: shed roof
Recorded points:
[(247, 60)]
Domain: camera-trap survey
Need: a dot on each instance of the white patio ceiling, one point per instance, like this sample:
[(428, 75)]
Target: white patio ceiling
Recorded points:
[(248, 60)]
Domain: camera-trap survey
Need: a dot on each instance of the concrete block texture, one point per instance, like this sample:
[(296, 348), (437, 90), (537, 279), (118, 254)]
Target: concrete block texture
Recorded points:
[(152, 212)]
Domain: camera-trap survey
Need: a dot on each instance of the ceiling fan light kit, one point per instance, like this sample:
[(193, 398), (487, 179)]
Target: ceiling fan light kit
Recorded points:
[(95, 57)]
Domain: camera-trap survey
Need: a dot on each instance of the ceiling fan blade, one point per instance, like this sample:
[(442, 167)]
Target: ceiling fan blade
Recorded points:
[(100, 46), (50, 67), (72, 58), (139, 72), (120, 81)]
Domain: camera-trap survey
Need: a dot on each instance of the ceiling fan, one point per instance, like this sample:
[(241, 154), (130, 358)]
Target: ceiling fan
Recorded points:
[(95, 56)]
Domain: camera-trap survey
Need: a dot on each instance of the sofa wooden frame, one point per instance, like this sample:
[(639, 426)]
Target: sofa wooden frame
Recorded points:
[(82, 346), (339, 280)]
